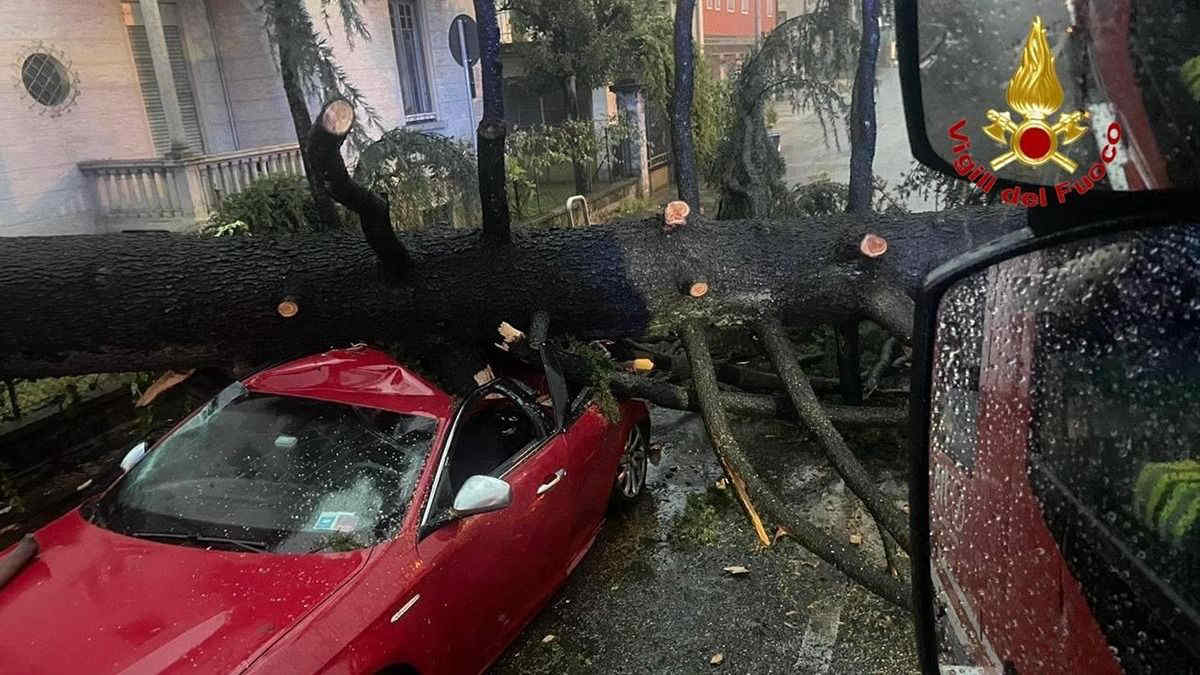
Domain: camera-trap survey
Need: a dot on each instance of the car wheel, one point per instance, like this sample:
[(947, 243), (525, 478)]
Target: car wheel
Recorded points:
[(631, 472)]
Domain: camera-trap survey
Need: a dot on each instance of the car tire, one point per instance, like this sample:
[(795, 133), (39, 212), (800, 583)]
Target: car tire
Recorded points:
[(631, 471)]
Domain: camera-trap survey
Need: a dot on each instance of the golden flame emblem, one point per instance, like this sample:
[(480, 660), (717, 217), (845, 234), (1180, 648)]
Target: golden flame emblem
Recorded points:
[(1035, 93)]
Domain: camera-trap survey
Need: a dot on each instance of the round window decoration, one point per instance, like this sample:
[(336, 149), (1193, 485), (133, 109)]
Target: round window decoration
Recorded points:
[(44, 75), (45, 79)]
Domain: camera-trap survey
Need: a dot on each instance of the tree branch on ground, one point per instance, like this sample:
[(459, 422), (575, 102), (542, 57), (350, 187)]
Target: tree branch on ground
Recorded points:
[(808, 408), (742, 473)]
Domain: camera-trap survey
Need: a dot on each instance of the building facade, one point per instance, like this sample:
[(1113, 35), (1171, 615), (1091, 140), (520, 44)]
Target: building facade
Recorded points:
[(128, 116), (731, 28)]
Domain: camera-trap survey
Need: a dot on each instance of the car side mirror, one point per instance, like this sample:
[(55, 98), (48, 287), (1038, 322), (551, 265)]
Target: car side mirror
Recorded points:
[(135, 455), (1055, 492), (481, 494)]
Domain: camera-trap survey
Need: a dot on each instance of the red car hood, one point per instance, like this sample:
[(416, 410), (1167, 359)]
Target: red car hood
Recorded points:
[(98, 602)]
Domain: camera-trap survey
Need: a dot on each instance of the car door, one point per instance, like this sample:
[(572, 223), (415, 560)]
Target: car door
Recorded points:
[(488, 572), (588, 445)]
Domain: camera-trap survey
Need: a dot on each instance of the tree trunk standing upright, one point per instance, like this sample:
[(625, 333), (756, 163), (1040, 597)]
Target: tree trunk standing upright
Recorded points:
[(289, 15), (493, 196), (862, 114), (862, 182), (583, 177), (682, 142)]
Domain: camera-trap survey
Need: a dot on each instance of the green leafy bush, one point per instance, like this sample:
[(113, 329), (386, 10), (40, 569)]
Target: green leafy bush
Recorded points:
[(428, 178), (269, 206)]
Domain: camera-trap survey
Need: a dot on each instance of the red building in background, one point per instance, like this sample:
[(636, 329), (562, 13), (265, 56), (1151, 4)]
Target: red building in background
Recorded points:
[(729, 28)]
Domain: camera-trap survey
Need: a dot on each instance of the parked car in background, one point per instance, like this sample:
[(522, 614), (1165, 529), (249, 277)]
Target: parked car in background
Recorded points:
[(336, 514)]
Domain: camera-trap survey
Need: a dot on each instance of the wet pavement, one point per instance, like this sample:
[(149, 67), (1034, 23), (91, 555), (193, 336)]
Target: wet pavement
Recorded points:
[(652, 596), (811, 153)]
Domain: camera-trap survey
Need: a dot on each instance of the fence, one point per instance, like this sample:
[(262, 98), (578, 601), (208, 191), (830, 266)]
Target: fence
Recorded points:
[(179, 193)]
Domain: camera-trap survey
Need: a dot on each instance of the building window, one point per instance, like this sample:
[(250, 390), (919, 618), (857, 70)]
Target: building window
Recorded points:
[(45, 79), (730, 5), (139, 43), (409, 37), (770, 7), (745, 6)]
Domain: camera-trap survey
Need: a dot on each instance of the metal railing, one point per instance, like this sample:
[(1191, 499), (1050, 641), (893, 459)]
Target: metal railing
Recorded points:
[(177, 194)]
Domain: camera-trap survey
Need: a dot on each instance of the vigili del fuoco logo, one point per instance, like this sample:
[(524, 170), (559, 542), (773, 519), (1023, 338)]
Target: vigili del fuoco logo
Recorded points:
[(1035, 93)]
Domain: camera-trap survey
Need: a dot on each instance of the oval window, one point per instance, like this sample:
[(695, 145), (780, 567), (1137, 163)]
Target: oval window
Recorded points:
[(45, 79)]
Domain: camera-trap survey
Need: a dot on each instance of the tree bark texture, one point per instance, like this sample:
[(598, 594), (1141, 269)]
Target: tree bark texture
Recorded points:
[(809, 410), (155, 301), (682, 142), (862, 113), (849, 360), (285, 36), (826, 547), (492, 130), (324, 142)]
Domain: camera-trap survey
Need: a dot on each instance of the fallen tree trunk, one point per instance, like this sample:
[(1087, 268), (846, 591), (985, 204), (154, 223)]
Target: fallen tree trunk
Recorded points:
[(80, 304)]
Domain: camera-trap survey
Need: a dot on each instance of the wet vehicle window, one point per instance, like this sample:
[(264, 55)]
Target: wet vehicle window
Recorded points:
[(274, 473), (1066, 413), (493, 429)]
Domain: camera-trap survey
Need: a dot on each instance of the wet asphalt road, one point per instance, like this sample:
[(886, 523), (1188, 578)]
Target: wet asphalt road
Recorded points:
[(652, 596)]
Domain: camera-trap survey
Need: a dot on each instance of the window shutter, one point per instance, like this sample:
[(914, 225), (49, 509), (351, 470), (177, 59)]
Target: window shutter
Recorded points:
[(155, 114)]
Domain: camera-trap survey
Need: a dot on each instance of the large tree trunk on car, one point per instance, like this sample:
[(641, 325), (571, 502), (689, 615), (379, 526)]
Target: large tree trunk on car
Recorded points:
[(78, 304)]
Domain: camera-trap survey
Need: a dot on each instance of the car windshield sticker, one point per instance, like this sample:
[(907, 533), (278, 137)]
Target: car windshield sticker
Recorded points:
[(336, 521)]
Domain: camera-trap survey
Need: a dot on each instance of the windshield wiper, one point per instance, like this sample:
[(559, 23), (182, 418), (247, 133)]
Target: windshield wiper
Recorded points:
[(244, 544)]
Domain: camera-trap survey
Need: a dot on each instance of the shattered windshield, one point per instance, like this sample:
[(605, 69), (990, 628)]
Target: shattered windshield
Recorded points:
[(292, 474)]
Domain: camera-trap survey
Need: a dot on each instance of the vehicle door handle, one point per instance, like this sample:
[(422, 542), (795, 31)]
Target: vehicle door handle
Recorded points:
[(549, 485)]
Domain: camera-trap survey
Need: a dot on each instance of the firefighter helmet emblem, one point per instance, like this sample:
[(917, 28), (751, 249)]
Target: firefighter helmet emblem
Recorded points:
[(1035, 93)]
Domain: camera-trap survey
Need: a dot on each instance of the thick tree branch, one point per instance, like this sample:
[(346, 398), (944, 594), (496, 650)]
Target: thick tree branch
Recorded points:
[(673, 396), (891, 308), (157, 301), (889, 550), (682, 141), (849, 360), (667, 395), (325, 140), (809, 410), (493, 195), (742, 377), (886, 354), (740, 469)]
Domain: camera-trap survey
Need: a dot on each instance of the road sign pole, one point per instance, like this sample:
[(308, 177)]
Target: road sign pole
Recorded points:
[(466, 64)]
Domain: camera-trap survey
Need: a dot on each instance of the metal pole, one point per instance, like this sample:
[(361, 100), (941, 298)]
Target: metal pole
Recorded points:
[(466, 64)]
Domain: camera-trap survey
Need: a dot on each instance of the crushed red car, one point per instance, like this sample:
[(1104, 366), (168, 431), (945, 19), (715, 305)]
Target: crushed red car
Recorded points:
[(338, 513)]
